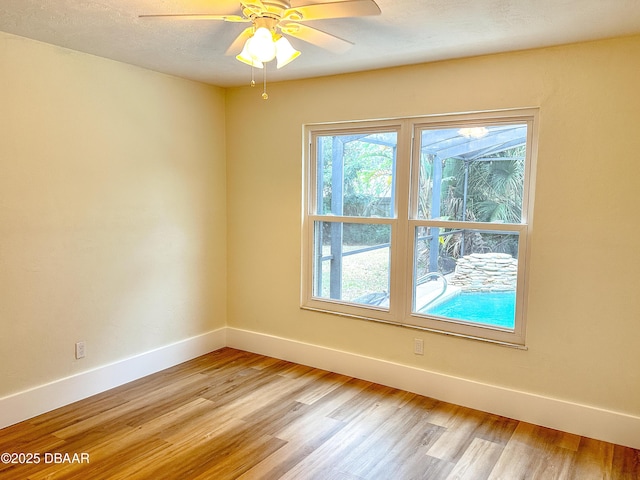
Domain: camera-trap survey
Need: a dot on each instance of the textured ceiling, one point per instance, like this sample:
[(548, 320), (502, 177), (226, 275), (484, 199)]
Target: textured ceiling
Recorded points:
[(407, 32)]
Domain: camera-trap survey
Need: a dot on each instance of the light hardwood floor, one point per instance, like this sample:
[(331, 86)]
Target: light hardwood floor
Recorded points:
[(236, 415)]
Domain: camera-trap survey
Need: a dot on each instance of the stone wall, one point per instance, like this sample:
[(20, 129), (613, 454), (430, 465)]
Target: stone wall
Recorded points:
[(486, 272)]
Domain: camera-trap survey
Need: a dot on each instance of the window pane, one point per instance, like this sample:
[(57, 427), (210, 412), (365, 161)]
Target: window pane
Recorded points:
[(472, 174), (355, 174), (466, 275), (352, 262)]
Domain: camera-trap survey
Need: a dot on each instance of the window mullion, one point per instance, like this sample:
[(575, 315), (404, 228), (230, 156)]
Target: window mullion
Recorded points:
[(401, 253)]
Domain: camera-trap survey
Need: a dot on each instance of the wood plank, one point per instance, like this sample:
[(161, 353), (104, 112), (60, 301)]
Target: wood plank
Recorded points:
[(626, 463), (301, 438), (533, 452), (478, 460), (593, 461)]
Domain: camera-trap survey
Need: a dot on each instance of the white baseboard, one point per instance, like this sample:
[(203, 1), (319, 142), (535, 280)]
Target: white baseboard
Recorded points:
[(584, 420), (29, 403)]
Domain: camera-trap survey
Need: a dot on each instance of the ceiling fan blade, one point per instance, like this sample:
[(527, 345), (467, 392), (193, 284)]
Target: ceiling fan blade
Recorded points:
[(199, 16), (238, 43), (255, 6), (316, 37), (319, 11)]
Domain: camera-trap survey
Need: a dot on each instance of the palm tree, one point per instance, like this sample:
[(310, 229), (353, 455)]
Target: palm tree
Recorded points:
[(484, 189)]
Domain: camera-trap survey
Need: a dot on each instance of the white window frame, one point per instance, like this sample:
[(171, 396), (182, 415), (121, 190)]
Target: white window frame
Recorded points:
[(404, 219)]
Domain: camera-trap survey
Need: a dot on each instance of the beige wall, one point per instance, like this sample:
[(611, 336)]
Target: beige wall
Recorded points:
[(583, 321), (115, 212), (112, 211)]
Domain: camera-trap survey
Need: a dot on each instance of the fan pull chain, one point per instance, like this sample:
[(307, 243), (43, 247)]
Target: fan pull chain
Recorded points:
[(265, 96), (253, 82)]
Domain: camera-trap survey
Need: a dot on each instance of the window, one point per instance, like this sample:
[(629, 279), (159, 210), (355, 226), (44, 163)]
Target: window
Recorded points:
[(422, 222)]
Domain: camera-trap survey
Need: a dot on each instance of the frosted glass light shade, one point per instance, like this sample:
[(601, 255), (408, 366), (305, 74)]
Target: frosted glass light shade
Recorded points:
[(285, 53), (245, 57)]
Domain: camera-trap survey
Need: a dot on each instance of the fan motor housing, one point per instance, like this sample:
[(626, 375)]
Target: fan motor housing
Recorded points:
[(272, 9)]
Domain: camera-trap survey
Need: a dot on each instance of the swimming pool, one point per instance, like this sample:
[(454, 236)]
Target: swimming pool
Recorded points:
[(490, 308)]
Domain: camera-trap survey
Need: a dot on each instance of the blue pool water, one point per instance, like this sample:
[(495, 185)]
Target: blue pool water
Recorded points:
[(497, 309)]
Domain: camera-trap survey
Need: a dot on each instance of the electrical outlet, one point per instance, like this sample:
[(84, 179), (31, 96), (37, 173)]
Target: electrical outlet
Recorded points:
[(80, 350), (418, 346)]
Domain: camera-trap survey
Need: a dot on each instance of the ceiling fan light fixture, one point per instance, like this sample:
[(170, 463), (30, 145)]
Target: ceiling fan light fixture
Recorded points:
[(285, 53), (261, 46), (263, 42)]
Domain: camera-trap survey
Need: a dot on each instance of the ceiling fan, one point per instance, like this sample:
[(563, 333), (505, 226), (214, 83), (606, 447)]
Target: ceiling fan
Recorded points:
[(271, 20)]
